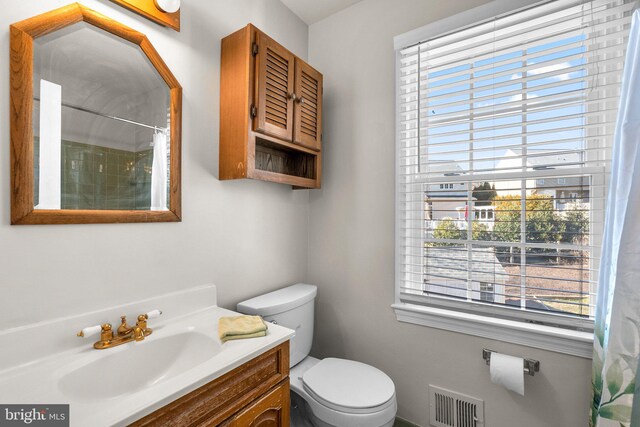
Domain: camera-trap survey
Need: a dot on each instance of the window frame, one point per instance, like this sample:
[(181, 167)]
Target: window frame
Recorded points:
[(566, 334)]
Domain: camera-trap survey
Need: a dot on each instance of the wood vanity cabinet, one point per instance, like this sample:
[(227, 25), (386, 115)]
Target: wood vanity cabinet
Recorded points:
[(270, 112), (272, 410), (256, 394)]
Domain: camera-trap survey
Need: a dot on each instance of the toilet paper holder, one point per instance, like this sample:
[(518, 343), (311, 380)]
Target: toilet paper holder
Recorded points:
[(530, 367)]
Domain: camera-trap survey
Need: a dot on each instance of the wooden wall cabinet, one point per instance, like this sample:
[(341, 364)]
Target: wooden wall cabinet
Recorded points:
[(256, 394), (270, 112)]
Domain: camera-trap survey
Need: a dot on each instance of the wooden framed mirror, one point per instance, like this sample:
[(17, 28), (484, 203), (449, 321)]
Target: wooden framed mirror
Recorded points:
[(95, 123)]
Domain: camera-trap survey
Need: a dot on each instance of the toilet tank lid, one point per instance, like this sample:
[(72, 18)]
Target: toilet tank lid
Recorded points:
[(279, 301)]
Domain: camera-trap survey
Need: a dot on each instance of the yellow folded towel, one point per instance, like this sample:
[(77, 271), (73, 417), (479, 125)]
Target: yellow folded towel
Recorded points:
[(240, 327), (243, 336)]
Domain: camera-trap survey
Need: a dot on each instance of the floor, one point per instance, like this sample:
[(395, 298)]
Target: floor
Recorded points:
[(298, 412)]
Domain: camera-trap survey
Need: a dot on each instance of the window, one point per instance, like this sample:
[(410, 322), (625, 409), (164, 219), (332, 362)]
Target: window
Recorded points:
[(512, 110), (487, 292)]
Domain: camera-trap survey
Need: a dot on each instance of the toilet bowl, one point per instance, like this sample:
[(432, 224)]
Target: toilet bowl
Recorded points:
[(341, 392), (336, 392)]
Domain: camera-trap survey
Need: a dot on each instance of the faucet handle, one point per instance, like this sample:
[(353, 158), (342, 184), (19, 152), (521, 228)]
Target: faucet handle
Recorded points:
[(90, 330), (153, 314), (106, 333), (142, 320)]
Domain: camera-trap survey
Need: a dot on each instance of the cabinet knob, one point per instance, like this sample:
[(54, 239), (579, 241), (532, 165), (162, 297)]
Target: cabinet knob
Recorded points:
[(293, 96)]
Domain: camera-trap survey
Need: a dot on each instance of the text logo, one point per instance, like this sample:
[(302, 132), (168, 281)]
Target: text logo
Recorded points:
[(34, 415)]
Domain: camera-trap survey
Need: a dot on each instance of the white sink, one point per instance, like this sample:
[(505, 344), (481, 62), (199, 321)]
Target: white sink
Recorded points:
[(117, 386), (134, 366)]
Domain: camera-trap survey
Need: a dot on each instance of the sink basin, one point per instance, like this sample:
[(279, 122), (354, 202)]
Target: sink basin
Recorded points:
[(137, 365)]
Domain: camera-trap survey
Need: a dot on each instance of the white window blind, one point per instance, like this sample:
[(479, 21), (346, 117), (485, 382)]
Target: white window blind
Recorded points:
[(504, 147)]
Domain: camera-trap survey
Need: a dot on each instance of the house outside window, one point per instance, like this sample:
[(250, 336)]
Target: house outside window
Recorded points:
[(516, 113)]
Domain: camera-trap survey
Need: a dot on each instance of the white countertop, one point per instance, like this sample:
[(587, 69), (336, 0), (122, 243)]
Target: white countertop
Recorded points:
[(38, 381)]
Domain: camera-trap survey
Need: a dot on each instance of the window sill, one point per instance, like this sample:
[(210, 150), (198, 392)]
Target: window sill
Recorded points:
[(560, 340)]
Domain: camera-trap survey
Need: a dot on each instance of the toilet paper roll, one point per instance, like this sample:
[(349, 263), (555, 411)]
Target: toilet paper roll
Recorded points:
[(507, 371)]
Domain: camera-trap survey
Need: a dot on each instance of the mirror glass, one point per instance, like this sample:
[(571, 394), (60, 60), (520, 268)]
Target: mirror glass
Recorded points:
[(100, 123)]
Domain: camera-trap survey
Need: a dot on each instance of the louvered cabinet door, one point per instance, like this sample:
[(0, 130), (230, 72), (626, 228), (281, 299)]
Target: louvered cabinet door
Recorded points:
[(274, 115), (308, 106)]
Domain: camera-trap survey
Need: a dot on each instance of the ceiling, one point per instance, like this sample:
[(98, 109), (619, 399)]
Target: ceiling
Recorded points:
[(312, 11)]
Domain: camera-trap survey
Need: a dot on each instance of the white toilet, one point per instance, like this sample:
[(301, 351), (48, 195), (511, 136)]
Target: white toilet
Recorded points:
[(337, 392)]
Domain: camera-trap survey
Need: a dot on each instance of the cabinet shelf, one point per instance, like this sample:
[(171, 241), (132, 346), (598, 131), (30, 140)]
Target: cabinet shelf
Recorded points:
[(266, 139), (270, 157), (294, 181)]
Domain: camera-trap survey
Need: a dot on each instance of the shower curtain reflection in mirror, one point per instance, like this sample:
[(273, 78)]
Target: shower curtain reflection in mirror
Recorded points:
[(159, 178)]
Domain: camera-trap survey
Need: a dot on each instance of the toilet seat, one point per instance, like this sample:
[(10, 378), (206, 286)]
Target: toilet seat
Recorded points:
[(370, 417), (349, 386)]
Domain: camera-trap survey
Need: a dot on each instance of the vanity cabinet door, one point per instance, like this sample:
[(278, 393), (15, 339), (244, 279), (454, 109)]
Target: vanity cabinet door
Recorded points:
[(308, 106), (271, 410), (275, 74)]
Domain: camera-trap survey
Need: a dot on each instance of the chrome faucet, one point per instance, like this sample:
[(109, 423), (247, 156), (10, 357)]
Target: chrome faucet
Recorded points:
[(124, 333)]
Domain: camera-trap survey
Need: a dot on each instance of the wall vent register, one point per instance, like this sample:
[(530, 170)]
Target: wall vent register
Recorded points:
[(451, 409)]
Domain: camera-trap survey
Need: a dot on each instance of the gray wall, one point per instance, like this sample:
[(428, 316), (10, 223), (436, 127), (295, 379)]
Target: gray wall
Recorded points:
[(245, 236), (250, 237), (351, 243)]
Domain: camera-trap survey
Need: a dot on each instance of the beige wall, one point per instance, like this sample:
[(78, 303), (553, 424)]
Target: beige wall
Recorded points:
[(351, 243), (245, 236)]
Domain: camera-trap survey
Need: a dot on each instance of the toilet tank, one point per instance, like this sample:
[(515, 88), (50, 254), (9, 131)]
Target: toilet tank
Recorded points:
[(291, 307)]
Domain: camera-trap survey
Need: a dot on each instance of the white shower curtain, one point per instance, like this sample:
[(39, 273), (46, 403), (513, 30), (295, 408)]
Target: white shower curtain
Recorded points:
[(616, 399), (159, 173)]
